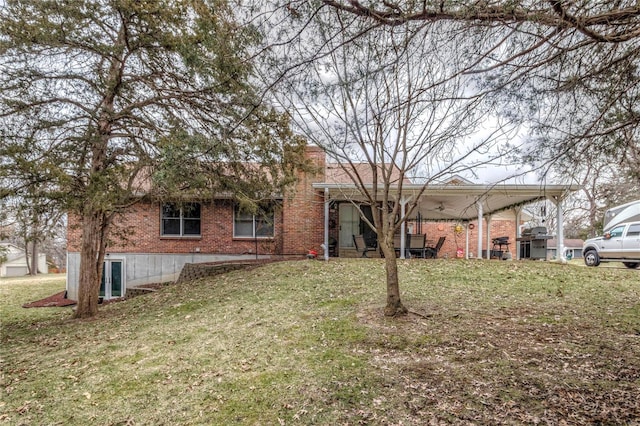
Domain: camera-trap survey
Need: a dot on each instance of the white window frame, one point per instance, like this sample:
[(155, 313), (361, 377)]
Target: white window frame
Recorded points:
[(255, 220), (181, 219)]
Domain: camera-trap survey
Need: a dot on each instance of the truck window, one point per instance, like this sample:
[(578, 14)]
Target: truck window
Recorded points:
[(616, 232), (634, 230)]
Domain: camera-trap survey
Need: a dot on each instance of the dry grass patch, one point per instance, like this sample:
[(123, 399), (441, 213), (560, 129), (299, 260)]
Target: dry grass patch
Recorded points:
[(306, 343)]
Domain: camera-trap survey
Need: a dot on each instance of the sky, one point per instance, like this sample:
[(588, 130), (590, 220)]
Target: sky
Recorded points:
[(321, 116)]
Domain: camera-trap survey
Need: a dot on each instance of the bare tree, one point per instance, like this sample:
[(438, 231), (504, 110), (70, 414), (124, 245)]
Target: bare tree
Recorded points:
[(609, 21), (386, 106), (569, 69), (602, 184)]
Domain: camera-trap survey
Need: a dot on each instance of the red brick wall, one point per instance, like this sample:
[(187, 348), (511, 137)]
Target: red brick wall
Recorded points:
[(499, 228), (303, 211), (298, 225), (138, 231)]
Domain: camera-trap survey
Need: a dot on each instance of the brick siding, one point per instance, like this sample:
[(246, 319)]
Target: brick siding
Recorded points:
[(303, 212), (138, 231), (453, 241), (298, 225)]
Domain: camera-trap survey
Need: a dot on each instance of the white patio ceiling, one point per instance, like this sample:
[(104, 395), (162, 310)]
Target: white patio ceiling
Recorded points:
[(460, 202)]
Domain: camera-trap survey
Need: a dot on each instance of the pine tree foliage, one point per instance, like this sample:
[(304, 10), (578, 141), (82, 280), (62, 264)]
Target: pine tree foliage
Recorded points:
[(106, 101)]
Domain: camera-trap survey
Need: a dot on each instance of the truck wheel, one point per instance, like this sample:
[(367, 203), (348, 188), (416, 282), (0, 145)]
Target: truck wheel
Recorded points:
[(591, 258), (631, 265)]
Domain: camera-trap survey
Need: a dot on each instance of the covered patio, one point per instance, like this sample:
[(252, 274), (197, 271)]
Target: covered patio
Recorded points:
[(455, 202)]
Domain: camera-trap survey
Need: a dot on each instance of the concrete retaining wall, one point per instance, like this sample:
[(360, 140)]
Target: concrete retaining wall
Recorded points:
[(140, 269)]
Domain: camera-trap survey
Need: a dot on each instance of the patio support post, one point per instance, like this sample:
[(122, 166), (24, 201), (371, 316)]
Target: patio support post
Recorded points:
[(326, 223), (560, 230), (466, 241), (518, 211), (479, 254)]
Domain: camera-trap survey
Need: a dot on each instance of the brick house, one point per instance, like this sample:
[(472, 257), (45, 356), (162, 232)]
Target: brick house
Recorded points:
[(152, 241)]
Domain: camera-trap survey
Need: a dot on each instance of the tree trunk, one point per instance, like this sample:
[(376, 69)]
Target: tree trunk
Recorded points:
[(34, 257), (394, 304), (95, 222), (91, 259), (27, 256)]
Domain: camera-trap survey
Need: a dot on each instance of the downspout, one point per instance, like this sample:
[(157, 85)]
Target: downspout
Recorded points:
[(326, 224), (479, 254), (560, 230), (466, 241)]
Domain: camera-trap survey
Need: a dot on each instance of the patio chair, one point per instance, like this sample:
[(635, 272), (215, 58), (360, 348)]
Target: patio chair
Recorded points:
[(333, 247), (361, 245), (432, 252), (417, 245), (396, 246)]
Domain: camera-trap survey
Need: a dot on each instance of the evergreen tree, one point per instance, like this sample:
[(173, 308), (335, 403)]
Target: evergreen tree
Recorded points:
[(107, 101)]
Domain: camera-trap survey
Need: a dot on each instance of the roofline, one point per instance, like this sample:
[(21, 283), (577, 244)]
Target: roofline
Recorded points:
[(527, 194), (472, 189), (195, 197)]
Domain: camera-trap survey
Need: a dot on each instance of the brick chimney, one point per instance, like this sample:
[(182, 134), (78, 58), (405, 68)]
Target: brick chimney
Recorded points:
[(303, 211)]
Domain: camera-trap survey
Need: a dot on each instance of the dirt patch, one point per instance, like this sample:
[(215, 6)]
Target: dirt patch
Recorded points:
[(57, 300), (506, 366)]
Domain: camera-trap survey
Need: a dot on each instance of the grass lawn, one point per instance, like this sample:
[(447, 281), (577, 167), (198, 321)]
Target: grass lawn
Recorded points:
[(486, 342)]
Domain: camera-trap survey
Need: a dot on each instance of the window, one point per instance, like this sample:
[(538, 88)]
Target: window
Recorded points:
[(634, 230), (249, 225), (616, 232), (180, 219)]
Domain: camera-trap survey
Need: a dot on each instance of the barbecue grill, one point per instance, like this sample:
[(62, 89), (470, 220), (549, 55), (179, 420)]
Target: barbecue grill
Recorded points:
[(500, 248), (533, 243)]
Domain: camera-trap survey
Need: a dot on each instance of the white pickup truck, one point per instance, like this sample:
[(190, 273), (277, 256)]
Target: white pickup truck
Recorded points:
[(619, 244)]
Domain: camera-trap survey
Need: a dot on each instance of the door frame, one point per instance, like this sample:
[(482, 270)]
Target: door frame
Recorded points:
[(107, 277), (345, 240), (631, 243)]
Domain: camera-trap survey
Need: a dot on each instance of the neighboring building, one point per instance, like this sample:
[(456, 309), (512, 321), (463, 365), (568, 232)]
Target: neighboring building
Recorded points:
[(572, 248), (155, 240), (16, 263)]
